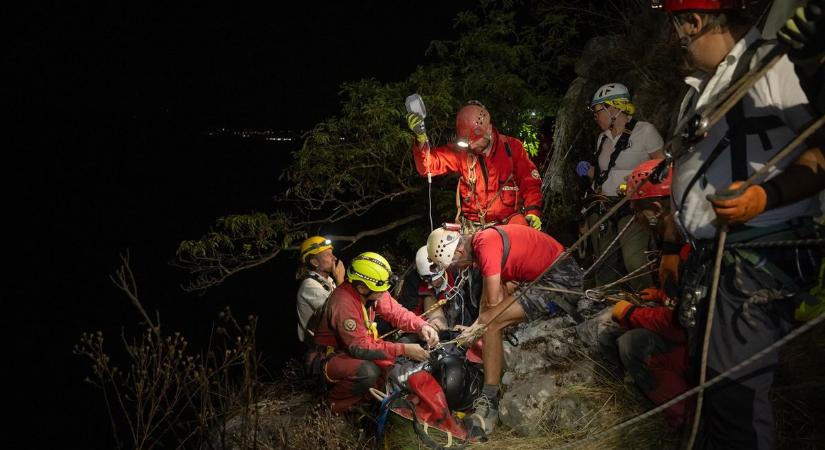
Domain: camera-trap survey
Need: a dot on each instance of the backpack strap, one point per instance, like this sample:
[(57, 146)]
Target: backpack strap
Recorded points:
[(739, 127), (315, 276), (505, 241)]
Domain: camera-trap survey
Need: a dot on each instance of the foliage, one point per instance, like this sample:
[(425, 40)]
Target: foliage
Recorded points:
[(356, 167), (169, 393)]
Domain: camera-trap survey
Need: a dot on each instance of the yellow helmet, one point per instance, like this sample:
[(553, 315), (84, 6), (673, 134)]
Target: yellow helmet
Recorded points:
[(371, 269), (313, 246)]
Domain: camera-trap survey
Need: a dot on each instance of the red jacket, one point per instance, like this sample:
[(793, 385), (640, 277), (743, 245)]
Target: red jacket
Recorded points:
[(342, 325), (658, 319), (516, 174)]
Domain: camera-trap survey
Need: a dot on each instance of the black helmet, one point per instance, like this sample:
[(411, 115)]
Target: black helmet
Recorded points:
[(461, 381)]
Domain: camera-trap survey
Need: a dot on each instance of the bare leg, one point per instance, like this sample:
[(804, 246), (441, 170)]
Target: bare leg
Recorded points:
[(493, 350)]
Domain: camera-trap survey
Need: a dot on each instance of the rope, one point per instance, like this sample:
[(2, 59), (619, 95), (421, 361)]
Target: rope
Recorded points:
[(790, 336), (785, 243), (607, 251), (449, 296), (714, 289)]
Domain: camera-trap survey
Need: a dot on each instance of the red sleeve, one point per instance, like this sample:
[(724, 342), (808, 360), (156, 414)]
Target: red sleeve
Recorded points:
[(659, 320), (348, 321), (527, 178), (397, 315), (439, 160)]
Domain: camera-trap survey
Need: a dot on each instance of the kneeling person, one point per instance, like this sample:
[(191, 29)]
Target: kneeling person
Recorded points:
[(506, 253), (352, 357)]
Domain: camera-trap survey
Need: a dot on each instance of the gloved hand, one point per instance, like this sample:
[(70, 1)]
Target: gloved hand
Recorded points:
[(582, 168), (804, 32), (669, 268), (653, 294), (416, 124), (534, 221), (742, 208), (622, 310), (429, 335)]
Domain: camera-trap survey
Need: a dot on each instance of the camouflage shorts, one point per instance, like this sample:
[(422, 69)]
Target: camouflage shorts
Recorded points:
[(538, 303)]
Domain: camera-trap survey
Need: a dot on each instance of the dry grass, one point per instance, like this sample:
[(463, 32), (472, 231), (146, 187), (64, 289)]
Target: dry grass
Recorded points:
[(581, 410)]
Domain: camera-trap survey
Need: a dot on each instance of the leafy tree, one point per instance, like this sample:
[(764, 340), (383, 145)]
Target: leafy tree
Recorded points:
[(354, 170)]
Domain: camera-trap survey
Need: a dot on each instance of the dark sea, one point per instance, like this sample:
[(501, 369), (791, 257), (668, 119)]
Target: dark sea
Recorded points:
[(143, 192)]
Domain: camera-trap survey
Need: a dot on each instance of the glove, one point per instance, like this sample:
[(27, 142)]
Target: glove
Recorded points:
[(622, 311), (534, 221), (416, 124), (742, 208), (669, 269), (582, 168), (653, 294), (804, 32)]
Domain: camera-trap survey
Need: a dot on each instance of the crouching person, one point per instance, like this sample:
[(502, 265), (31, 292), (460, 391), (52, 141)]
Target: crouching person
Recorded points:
[(506, 253), (652, 348), (346, 351)]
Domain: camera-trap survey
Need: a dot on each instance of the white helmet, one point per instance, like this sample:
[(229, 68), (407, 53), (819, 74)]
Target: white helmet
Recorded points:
[(441, 246), (611, 91), (422, 262)]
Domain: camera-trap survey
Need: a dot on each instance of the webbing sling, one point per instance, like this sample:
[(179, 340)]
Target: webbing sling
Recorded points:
[(621, 145), (739, 127)]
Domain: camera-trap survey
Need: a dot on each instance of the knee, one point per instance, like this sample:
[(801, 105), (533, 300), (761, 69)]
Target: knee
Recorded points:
[(366, 377), (631, 346)]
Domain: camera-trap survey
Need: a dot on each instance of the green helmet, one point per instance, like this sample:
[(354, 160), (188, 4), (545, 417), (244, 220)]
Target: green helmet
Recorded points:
[(371, 269)]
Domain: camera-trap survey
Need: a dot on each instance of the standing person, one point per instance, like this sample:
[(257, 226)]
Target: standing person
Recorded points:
[(624, 143), (320, 272), (345, 349), (498, 183), (505, 253), (758, 287)]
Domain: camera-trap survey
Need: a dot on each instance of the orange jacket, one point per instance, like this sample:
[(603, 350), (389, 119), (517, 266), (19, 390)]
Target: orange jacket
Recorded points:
[(343, 327), (497, 185)]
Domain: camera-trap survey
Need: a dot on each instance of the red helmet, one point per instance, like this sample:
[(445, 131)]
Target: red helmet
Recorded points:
[(472, 123), (696, 5), (650, 189)]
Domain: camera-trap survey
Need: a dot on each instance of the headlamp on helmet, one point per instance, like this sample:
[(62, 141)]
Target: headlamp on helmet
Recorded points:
[(472, 123), (313, 246)]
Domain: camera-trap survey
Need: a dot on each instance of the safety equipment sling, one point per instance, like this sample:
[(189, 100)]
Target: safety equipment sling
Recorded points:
[(739, 127), (621, 145)]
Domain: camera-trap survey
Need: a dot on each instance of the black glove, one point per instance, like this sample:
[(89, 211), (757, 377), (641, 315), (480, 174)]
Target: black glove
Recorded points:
[(804, 33)]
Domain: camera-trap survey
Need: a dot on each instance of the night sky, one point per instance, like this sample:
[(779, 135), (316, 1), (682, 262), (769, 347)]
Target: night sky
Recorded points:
[(110, 108)]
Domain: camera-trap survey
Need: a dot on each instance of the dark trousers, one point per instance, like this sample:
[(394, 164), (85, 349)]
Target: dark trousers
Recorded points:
[(737, 413)]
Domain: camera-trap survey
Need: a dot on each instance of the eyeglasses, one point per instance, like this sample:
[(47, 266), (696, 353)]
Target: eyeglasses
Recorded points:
[(597, 111)]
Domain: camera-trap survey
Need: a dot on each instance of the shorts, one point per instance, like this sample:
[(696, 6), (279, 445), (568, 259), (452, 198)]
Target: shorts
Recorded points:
[(538, 303)]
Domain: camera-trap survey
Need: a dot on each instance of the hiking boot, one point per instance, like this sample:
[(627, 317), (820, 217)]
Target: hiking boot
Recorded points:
[(484, 418)]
